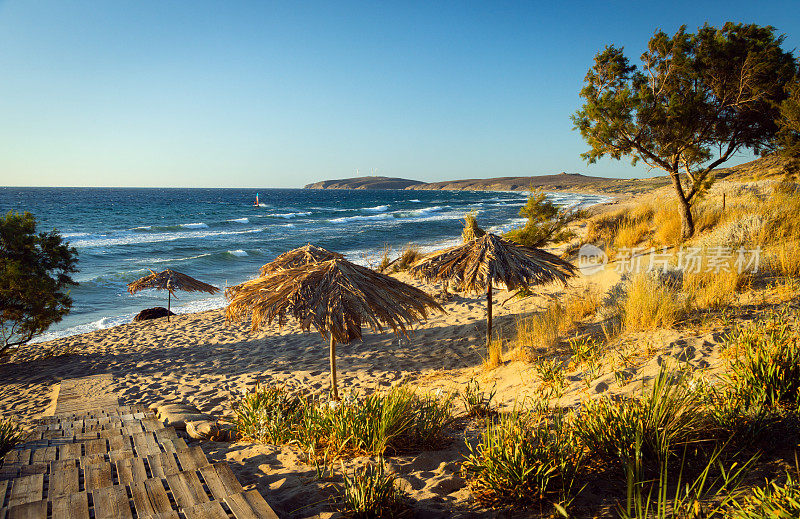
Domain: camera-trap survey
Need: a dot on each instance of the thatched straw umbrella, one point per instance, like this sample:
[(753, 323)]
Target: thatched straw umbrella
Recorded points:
[(482, 261), (299, 257), (335, 297), (170, 281)]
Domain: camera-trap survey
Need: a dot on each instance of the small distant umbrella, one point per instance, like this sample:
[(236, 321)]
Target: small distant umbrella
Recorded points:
[(335, 297), (170, 280), (477, 264)]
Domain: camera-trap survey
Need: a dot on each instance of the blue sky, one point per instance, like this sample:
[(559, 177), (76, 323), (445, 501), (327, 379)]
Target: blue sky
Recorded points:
[(236, 94)]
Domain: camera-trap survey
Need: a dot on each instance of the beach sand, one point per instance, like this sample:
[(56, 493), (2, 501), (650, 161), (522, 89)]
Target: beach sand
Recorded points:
[(202, 360)]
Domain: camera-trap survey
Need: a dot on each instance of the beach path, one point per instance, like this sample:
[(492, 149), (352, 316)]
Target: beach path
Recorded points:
[(94, 457)]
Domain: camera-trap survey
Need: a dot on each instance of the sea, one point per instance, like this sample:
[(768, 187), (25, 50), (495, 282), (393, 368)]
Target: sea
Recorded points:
[(221, 237)]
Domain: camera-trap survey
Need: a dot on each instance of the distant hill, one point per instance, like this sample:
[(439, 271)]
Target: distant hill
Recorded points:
[(365, 183), (560, 182), (769, 166)]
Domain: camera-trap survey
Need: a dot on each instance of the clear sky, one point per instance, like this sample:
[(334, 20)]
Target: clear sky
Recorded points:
[(262, 94)]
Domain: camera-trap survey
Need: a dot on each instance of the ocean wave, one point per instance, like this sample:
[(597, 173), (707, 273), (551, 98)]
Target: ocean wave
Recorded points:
[(288, 216), (240, 220), (136, 239), (346, 219), (199, 225), (415, 200), (238, 253), (376, 209), (174, 260)]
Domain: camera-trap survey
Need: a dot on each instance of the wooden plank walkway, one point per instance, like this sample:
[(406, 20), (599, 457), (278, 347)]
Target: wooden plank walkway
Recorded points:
[(95, 458)]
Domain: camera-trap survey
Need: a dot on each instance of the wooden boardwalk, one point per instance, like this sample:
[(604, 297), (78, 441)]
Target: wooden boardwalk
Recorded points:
[(95, 458)]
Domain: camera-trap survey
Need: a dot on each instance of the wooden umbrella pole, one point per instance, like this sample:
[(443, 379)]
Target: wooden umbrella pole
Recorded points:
[(334, 390), (488, 309), (169, 303)]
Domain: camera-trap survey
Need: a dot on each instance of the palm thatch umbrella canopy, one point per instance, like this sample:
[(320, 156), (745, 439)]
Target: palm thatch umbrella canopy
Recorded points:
[(299, 257), (477, 264), (170, 280), (335, 297)]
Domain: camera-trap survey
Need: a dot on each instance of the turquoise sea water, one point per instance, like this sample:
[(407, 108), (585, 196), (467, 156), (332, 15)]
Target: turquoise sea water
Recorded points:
[(219, 236)]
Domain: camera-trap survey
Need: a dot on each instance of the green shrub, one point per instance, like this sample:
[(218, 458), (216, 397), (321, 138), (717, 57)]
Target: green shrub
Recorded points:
[(775, 501), (765, 362), (10, 435), (371, 492), (547, 223), (395, 421), (523, 458), (477, 402), (267, 414)]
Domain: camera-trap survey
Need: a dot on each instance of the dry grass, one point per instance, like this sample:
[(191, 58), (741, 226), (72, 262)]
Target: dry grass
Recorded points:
[(541, 331), (781, 212), (708, 289), (650, 304), (471, 229), (494, 355), (668, 226), (786, 260), (582, 305), (601, 228), (630, 234)]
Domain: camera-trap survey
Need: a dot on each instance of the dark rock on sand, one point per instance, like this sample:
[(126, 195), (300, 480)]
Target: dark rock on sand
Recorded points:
[(152, 313)]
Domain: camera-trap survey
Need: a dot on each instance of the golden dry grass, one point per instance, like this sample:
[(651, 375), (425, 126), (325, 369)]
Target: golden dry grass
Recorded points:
[(494, 356), (668, 226), (708, 289), (630, 234), (582, 305), (650, 304), (541, 331)]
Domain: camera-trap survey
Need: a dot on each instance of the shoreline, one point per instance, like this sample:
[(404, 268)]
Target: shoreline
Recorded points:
[(357, 256)]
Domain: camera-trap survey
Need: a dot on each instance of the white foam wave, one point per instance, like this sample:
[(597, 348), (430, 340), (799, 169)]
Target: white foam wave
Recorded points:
[(135, 239), (415, 200), (240, 220), (199, 225), (201, 305), (238, 253), (376, 209), (288, 216), (346, 219)]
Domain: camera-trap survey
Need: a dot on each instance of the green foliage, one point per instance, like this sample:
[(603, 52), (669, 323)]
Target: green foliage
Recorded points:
[(666, 417), (34, 279), (789, 134), (547, 223), (523, 458), (10, 435), (765, 362), (371, 492), (775, 501), (394, 421), (477, 402), (698, 99), (268, 414), (713, 488)]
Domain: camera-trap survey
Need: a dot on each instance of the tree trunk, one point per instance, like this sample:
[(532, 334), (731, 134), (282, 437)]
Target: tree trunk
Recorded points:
[(334, 389), (685, 209), (488, 309)]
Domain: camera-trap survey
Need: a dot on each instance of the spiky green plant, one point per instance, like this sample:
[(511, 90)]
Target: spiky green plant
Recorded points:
[(10, 435), (524, 458), (371, 493)]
